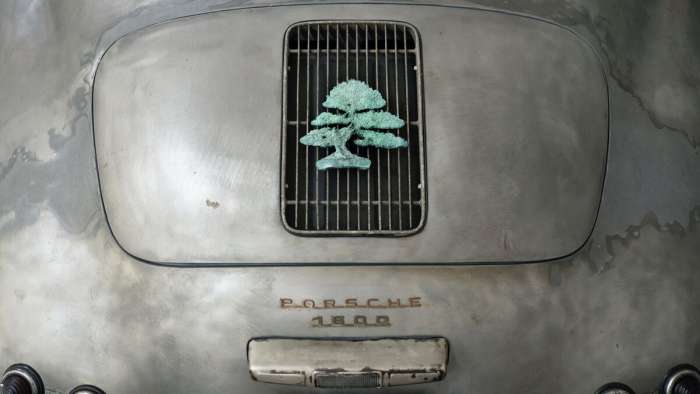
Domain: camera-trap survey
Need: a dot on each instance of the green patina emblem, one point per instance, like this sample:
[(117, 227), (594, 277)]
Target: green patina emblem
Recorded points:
[(356, 102)]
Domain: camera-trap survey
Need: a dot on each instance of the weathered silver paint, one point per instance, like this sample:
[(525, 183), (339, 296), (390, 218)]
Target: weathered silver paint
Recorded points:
[(516, 120), (76, 307)]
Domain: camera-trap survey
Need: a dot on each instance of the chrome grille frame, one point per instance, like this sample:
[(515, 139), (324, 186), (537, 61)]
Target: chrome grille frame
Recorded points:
[(351, 202)]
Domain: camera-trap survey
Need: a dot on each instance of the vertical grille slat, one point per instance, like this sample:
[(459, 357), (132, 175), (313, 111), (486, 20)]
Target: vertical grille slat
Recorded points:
[(387, 94), (347, 76), (337, 80), (378, 155), (367, 150), (306, 157), (408, 129), (398, 113), (296, 146), (316, 97), (357, 76), (327, 89), (389, 197)]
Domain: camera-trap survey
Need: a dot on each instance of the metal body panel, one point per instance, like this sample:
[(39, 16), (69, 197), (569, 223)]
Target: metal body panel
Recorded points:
[(186, 113), (76, 307)]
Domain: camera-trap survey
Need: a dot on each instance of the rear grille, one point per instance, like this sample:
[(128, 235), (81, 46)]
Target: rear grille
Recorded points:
[(386, 199), (348, 380)]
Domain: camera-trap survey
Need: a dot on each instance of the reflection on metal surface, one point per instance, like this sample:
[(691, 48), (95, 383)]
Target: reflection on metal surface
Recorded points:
[(348, 363)]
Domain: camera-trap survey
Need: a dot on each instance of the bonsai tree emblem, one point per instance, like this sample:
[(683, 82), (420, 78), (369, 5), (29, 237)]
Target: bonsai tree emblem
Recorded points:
[(356, 102)]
